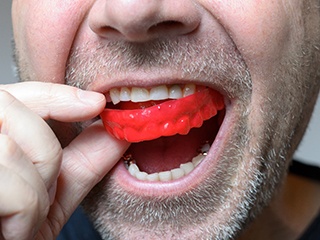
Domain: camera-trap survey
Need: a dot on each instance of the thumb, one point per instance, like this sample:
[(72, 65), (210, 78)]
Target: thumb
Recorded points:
[(85, 162)]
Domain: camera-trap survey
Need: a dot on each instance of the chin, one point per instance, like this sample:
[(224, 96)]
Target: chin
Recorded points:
[(205, 183), (207, 165)]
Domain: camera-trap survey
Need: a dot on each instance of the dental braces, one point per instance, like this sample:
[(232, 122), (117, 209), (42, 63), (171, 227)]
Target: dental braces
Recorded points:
[(204, 149), (128, 159)]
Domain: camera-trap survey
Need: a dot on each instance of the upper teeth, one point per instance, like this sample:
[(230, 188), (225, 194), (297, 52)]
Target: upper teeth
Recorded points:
[(162, 92)]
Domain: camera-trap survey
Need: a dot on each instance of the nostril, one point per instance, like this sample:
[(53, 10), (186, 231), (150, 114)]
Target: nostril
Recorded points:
[(166, 26), (109, 31), (108, 28)]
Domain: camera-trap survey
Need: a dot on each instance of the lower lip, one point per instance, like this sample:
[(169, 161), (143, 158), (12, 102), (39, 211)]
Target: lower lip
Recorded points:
[(180, 186)]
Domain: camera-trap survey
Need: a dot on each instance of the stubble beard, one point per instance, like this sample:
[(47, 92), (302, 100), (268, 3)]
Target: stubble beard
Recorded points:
[(245, 178), (221, 205), (236, 191)]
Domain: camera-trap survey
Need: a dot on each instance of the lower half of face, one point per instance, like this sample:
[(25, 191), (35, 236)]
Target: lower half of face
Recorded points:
[(210, 181), (199, 169)]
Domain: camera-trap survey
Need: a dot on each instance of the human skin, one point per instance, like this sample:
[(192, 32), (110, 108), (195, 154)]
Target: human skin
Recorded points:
[(266, 55)]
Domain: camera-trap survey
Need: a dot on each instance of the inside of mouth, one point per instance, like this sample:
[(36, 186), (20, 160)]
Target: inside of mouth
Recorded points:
[(167, 153)]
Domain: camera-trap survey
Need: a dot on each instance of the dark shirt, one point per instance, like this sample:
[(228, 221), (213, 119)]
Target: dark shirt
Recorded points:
[(79, 228), (313, 232)]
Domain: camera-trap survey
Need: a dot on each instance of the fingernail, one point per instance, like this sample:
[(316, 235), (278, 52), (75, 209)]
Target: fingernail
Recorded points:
[(90, 97)]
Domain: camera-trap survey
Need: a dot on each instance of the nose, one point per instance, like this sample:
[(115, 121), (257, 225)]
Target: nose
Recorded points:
[(143, 20)]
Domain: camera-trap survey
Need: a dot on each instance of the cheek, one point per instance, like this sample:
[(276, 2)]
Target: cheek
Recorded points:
[(266, 32), (259, 28), (44, 32)]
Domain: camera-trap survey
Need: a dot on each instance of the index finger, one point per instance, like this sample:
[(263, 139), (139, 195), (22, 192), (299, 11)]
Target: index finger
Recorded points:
[(31, 133), (57, 101)]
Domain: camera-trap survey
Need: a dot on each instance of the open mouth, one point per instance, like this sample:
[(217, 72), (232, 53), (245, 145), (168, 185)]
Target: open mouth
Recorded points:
[(171, 128)]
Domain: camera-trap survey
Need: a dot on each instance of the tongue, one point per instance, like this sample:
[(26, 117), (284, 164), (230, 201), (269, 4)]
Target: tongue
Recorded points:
[(167, 153)]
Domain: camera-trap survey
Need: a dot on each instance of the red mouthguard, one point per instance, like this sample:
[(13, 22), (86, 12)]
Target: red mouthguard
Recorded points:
[(165, 119)]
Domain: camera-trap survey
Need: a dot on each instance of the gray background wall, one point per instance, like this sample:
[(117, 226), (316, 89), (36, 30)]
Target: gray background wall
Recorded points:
[(6, 73), (309, 150)]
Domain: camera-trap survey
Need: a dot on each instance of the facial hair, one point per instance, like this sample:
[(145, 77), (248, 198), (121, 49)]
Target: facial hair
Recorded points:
[(245, 178), (117, 213)]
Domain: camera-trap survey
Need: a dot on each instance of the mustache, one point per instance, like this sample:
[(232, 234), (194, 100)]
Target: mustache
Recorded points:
[(202, 60)]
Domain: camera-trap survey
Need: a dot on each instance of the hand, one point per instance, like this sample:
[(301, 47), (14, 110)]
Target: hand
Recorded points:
[(41, 184)]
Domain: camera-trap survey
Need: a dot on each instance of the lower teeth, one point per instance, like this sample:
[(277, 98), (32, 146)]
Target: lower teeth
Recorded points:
[(173, 174)]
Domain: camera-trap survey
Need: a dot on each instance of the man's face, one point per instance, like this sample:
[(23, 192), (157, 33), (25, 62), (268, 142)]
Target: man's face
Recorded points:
[(262, 56)]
